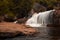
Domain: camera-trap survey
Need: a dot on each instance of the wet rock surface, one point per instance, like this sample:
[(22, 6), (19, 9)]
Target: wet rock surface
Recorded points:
[(11, 30), (46, 33), (56, 17)]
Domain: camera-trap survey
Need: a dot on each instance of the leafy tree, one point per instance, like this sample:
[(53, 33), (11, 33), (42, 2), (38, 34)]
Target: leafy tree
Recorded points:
[(16, 7), (22, 7)]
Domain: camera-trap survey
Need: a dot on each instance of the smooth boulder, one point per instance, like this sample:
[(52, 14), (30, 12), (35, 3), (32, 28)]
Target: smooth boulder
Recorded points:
[(11, 29)]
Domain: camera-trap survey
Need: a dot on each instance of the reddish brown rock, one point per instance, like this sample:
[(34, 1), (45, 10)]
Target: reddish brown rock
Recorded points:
[(56, 17), (11, 29)]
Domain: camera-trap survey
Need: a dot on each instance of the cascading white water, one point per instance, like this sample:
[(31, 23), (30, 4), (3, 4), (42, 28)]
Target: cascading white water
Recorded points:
[(41, 19)]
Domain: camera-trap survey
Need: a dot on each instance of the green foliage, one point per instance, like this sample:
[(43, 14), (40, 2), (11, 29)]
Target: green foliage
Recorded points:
[(15, 6), (50, 3), (22, 7)]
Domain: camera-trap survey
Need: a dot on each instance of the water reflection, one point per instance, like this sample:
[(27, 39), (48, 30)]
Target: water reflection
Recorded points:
[(46, 33), (54, 32)]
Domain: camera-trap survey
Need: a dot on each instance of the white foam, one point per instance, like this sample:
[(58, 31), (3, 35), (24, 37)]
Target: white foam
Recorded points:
[(15, 21), (42, 21)]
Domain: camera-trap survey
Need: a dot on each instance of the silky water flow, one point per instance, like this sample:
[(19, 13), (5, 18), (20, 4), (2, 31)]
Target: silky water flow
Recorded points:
[(40, 19)]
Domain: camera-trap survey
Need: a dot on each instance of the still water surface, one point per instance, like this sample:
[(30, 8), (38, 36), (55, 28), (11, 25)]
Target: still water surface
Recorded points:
[(46, 33)]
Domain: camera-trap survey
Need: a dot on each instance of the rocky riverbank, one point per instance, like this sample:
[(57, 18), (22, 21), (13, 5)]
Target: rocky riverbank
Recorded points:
[(11, 29)]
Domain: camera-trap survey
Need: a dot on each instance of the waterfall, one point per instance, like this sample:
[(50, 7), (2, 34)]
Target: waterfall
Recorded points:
[(40, 19)]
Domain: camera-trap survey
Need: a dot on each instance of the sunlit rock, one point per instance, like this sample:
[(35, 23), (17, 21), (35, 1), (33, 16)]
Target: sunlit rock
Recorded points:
[(12, 29)]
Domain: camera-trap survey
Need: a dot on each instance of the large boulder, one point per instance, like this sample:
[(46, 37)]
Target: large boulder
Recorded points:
[(11, 29), (21, 20), (56, 20)]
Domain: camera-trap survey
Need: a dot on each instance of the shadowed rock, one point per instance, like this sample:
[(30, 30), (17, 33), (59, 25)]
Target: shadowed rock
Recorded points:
[(56, 17), (21, 20)]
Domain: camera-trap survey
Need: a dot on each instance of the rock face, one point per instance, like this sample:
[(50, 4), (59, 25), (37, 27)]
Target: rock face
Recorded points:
[(11, 29), (56, 20)]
